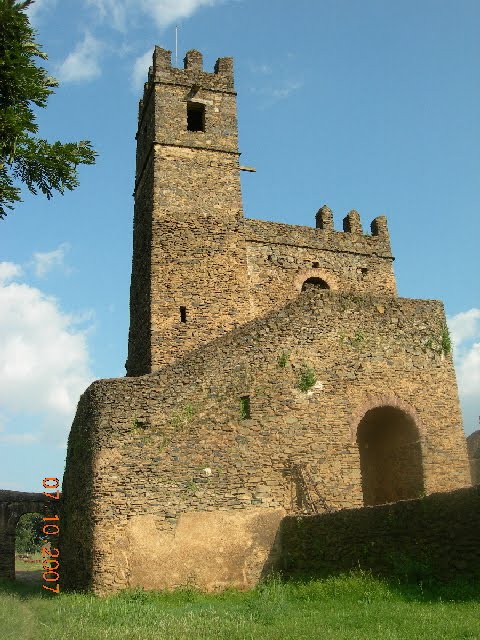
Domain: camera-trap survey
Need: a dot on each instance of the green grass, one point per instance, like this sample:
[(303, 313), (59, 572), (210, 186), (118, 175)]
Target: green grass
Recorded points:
[(22, 565), (355, 606)]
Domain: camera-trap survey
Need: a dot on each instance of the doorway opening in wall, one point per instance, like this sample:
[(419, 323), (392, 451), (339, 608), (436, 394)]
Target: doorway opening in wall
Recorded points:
[(314, 283), (390, 456), (29, 539)]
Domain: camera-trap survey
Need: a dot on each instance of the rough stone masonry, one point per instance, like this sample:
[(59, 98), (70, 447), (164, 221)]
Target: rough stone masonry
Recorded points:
[(271, 370)]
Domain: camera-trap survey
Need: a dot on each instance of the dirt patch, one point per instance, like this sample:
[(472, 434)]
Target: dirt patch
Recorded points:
[(30, 577)]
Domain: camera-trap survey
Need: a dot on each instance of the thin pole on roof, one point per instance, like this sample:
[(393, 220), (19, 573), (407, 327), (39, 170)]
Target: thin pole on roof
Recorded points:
[(176, 45)]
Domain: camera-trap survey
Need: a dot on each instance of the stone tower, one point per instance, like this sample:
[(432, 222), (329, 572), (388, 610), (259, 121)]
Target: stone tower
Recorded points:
[(188, 277), (272, 370)]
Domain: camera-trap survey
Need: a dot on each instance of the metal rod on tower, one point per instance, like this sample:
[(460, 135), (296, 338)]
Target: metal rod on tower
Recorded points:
[(176, 45)]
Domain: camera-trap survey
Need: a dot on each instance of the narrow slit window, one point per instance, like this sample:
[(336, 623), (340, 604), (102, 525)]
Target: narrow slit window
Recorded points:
[(183, 314), (195, 116), (316, 265), (245, 407), (362, 273)]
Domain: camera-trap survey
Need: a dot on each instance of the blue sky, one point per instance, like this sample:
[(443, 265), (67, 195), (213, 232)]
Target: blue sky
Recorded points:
[(370, 105)]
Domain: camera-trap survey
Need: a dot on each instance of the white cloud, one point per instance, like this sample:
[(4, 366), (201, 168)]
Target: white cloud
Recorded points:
[(166, 12), (465, 332), (273, 94), (18, 438), (163, 12), (38, 7), (82, 64), (140, 69), (464, 326), (288, 88), (44, 364), (260, 68), (469, 372), (113, 10), (45, 262), (9, 271)]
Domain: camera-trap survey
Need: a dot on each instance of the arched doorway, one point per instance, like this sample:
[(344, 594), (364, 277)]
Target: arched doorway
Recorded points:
[(29, 539), (390, 456), (14, 504), (314, 283)]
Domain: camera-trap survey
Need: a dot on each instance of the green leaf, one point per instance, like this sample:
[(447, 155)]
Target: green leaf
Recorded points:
[(40, 165)]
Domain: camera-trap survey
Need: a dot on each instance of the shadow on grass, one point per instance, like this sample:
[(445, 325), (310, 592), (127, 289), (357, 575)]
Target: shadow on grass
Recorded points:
[(356, 584), (410, 588), (24, 588)]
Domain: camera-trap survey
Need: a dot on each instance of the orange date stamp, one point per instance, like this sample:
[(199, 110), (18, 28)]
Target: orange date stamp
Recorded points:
[(50, 554)]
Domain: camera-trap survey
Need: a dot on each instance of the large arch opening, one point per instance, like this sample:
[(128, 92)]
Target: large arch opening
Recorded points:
[(314, 283), (29, 539), (390, 456)]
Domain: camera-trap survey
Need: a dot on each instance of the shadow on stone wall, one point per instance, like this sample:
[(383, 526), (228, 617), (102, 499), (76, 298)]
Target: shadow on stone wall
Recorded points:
[(431, 539), (473, 446)]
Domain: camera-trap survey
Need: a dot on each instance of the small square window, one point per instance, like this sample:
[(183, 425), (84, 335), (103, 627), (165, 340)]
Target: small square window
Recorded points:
[(195, 116), (362, 273)]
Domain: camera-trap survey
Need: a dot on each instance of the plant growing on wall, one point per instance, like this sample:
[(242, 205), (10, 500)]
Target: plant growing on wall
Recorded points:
[(138, 425), (245, 407), (358, 338), (182, 418), (307, 379), (283, 359), (441, 344), (446, 341), (191, 486)]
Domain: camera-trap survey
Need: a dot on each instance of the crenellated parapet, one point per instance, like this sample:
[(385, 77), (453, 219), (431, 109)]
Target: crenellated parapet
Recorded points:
[(282, 258), (352, 224), (192, 73), (379, 227), (324, 218)]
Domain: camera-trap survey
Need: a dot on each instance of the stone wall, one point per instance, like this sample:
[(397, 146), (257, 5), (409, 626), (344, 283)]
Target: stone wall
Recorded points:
[(78, 517), (435, 537), (173, 451), (473, 446), (282, 257)]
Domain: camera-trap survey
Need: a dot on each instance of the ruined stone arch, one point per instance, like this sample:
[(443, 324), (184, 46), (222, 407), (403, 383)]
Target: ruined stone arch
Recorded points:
[(322, 274), (13, 505), (388, 433)]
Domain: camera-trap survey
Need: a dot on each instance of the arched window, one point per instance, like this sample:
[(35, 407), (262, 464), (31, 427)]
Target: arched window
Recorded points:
[(314, 283), (390, 456)]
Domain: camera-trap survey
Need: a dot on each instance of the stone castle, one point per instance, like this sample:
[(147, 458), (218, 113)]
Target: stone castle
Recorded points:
[(272, 370)]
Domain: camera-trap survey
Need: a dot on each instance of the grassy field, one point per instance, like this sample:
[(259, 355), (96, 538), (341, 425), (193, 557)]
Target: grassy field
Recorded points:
[(355, 606)]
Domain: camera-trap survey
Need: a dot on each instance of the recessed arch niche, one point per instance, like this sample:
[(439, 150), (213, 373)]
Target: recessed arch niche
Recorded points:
[(390, 456)]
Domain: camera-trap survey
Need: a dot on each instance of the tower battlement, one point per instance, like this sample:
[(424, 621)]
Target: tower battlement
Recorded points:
[(192, 74), (352, 223)]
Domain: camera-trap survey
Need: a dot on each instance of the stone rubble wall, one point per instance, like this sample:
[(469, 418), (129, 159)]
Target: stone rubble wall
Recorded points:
[(158, 450), (432, 538), (282, 257), (473, 446)]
